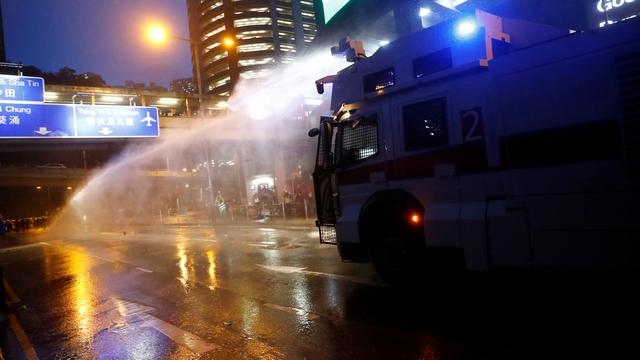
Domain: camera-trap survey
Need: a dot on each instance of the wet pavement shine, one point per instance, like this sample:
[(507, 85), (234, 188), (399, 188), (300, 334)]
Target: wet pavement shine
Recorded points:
[(258, 292)]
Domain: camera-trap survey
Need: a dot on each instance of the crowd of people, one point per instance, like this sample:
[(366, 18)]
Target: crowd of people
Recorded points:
[(21, 224)]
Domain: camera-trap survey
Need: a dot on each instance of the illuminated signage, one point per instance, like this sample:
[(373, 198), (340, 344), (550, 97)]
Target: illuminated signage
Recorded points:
[(611, 11), (606, 5), (331, 8)]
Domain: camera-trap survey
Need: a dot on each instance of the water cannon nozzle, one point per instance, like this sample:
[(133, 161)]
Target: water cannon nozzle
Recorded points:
[(352, 50), (325, 80)]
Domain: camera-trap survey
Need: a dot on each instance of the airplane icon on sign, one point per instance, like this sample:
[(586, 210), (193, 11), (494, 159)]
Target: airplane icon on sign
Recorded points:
[(148, 119)]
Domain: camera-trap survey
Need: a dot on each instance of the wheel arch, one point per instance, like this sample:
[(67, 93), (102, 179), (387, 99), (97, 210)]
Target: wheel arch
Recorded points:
[(388, 209)]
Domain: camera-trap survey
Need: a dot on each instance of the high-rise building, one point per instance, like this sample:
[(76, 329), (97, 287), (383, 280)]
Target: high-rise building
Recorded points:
[(246, 39), (2, 53), (183, 86), (388, 20)]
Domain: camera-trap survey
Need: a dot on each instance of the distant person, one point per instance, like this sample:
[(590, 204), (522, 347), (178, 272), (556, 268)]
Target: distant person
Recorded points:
[(287, 199), (220, 204), (3, 226)]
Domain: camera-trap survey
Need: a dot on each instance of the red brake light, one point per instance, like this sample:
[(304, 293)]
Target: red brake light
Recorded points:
[(415, 218)]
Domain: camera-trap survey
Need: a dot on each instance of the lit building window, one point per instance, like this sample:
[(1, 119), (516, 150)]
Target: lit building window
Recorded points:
[(258, 9), (252, 22), (254, 47), (216, 18), (212, 46), (282, 22), (255, 74), (211, 33), (288, 48), (221, 82), (254, 34), (219, 56), (252, 62)]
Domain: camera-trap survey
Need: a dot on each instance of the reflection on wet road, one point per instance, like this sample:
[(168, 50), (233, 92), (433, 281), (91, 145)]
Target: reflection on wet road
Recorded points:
[(275, 293)]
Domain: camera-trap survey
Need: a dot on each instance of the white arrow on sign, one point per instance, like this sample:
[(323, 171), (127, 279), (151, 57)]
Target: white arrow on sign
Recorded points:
[(105, 131), (43, 131)]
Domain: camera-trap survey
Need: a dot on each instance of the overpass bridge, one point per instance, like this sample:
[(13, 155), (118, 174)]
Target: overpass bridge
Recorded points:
[(177, 112), (71, 177)]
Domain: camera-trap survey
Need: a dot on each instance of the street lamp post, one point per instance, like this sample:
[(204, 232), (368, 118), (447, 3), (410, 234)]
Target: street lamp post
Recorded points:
[(158, 34)]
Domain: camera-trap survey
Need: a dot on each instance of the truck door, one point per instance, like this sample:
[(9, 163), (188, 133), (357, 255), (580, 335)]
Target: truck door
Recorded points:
[(324, 183)]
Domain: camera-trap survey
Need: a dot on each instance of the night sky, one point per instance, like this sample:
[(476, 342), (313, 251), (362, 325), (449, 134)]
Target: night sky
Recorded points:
[(101, 36)]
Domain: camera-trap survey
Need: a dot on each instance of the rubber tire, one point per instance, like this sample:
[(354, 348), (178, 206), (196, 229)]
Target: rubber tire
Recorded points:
[(397, 256)]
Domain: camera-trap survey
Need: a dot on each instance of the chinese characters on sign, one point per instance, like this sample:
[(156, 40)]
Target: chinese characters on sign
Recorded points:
[(21, 89)]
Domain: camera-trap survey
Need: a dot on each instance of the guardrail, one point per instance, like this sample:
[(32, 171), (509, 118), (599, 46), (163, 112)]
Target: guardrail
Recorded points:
[(281, 211), (236, 214)]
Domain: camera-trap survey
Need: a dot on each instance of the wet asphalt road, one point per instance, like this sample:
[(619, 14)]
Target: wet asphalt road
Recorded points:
[(251, 292)]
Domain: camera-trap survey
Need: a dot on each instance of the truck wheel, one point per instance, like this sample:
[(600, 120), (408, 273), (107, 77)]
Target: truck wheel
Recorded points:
[(396, 256)]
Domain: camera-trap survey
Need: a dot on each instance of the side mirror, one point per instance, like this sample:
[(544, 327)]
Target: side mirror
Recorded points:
[(314, 132)]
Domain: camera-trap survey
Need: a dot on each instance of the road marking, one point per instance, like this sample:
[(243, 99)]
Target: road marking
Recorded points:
[(179, 336), (21, 335), (301, 270), (348, 278), (102, 258), (283, 269), (23, 340), (307, 314), (20, 247), (13, 298), (191, 341), (124, 262)]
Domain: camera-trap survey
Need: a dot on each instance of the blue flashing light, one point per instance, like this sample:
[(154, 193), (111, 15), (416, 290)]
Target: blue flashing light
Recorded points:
[(466, 28)]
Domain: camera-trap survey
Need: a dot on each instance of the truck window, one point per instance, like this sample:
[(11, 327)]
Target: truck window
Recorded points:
[(359, 140), (432, 63), (379, 80), (425, 124)]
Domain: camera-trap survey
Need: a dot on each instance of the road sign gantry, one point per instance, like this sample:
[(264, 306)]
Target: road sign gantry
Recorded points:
[(23, 114)]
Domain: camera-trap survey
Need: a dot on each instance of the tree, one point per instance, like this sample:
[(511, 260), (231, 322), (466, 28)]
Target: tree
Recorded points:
[(91, 79), (66, 76), (31, 70)]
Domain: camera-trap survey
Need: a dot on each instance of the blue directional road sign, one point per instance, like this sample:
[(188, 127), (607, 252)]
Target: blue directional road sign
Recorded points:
[(33, 120), (21, 88), (77, 121), (116, 121)]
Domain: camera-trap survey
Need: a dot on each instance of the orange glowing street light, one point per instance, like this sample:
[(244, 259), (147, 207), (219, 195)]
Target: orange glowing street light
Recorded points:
[(157, 33), (228, 41)]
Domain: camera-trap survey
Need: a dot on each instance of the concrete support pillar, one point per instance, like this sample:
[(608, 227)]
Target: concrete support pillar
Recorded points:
[(281, 171)]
